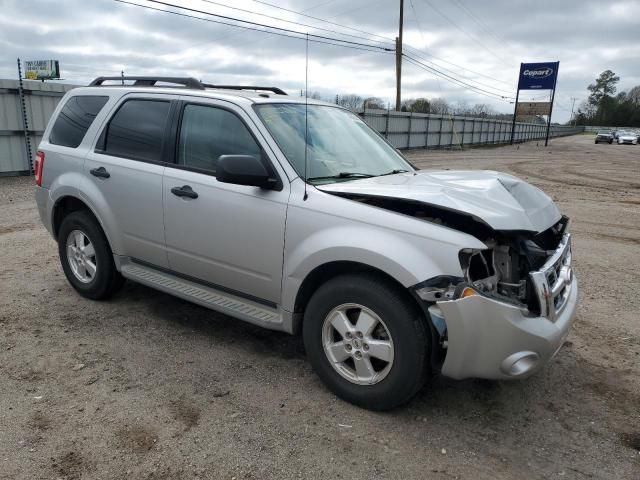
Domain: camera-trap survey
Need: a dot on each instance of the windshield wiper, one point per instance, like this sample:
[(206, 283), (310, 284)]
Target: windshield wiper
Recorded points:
[(343, 175), (393, 172)]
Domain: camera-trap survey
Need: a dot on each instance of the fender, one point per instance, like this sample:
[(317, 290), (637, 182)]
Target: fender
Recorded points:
[(409, 258)]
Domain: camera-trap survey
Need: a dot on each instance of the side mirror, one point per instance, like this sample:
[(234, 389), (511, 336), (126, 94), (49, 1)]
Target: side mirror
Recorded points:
[(245, 170)]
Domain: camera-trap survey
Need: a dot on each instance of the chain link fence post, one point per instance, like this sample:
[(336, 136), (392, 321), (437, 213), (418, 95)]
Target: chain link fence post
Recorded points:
[(25, 119)]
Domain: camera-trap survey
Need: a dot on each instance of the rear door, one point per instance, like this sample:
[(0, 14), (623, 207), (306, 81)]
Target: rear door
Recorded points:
[(125, 169), (231, 236)]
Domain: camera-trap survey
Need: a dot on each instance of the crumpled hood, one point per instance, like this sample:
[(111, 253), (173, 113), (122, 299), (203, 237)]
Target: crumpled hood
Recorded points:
[(502, 201)]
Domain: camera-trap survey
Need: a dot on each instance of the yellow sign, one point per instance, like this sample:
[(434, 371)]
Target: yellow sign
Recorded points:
[(41, 69), (533, 108)]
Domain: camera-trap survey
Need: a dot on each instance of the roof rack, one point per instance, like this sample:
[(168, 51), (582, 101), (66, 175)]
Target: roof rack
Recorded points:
[(187, 82), (276, 90)]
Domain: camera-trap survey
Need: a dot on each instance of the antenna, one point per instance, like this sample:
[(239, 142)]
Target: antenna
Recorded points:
[(306, 104)]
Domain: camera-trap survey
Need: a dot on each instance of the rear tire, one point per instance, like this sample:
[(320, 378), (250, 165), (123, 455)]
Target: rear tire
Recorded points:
[(86, 257), (365, 300)]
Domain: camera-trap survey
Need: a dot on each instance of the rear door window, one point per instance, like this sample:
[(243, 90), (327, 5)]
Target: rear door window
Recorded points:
[(137, 130), (74, 120)]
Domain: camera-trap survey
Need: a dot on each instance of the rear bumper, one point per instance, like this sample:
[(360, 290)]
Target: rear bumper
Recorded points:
[(45, 207)]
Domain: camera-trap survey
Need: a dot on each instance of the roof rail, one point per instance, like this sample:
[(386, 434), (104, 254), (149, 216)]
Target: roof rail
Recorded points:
[(188, 82), (276, 90)]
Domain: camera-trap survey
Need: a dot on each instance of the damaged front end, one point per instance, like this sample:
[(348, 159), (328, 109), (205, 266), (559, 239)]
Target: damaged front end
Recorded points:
[(510, 311), (503, 270)]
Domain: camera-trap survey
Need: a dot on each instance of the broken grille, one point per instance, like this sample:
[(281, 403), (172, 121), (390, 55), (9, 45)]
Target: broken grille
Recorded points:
[(553, 281)]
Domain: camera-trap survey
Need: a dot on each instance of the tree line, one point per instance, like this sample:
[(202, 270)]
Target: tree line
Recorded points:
[(604, 107), (440, 106)]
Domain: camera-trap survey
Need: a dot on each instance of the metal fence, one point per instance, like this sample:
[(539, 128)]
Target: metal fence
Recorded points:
[(418, 130), (594, 129), (404, 130), (16, 139)]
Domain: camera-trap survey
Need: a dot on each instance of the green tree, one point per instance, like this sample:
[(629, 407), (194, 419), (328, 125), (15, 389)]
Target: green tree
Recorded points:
[(602, 98), (420, 105), (605, 86)]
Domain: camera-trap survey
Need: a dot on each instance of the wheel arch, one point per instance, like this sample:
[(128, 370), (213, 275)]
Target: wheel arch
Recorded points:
[(68, 204), (327, 271)]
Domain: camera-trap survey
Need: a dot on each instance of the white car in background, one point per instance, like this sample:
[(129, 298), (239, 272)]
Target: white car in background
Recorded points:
[(628, 138)]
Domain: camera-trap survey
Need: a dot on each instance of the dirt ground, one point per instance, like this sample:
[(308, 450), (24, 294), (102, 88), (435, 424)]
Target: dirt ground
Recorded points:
[(147, 386)]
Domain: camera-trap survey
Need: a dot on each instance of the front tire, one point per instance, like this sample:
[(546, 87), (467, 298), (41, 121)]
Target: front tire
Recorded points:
[(86, 257), (367, 341)]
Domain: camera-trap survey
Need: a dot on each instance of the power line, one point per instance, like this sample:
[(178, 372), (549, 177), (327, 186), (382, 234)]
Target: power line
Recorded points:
[(257, 24), (319, 5), (442, 74), (291, 33), (464, 31), (415, 15), (302, 14), (367, 4), (280, 31), (478, 21), (416, 52), (288, 21), (434, 65)]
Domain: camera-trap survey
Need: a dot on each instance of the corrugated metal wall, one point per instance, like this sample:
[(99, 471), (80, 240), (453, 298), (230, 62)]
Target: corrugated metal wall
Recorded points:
[(403, 130), (41, 99), (417, 130)]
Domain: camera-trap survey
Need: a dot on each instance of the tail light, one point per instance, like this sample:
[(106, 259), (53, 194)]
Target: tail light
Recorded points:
[(38, 167)]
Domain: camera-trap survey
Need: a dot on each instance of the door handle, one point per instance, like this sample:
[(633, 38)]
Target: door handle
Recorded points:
[(184, 191), (100, 172)]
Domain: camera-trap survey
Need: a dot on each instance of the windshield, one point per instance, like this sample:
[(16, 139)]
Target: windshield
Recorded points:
[(340, 146)]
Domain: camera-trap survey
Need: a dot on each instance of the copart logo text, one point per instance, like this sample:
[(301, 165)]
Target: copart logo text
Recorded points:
[(538, 72)]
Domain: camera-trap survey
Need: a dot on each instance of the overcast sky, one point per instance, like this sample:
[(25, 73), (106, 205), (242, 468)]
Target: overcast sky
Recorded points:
[(488, 39)]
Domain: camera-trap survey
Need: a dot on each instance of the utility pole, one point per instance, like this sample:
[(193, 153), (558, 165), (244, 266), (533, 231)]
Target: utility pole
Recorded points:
[(399, 57), (573, 102)]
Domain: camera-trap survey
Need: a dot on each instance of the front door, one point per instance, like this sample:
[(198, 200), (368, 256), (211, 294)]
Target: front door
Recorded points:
[(230, 236)]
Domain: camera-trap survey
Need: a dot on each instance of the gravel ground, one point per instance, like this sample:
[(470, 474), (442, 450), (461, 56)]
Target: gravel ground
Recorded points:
[(149, 386)]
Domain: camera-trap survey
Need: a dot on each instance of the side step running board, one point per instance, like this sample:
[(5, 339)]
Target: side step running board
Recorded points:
[(208, 297)]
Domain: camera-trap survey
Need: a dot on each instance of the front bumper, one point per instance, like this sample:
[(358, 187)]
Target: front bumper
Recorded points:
[(491, 339)]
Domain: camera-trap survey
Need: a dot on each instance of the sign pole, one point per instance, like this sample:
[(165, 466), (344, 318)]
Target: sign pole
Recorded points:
[(515, 108), (553, 95)]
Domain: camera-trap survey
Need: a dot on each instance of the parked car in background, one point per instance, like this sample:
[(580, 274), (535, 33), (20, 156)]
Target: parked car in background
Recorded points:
[(604, 136), (627, 138), (296, 216)]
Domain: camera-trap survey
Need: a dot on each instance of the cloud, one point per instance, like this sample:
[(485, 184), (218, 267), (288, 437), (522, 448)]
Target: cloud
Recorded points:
[(488, 39)]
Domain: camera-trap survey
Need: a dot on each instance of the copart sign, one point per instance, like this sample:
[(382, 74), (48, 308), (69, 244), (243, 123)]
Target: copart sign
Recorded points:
[(538, 76)]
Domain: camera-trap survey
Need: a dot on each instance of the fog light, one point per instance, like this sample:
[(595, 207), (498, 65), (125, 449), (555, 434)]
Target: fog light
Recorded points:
[(519, 363)]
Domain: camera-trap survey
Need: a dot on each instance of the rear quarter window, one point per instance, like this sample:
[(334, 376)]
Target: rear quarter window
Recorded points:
[(74, 119)]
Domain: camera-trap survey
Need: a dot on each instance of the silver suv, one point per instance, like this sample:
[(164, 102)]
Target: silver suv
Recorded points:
[(296, 216)]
